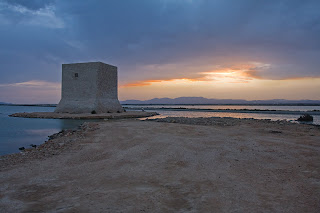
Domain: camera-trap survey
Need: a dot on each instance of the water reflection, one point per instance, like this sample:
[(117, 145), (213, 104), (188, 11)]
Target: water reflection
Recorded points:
[(192, 114), (70, 124), (42, 132), (17, 132), (21, 132), (237, 107)]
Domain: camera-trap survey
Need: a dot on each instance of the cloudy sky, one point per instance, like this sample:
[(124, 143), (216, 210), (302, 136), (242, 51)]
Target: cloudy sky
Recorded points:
[(244, 49)]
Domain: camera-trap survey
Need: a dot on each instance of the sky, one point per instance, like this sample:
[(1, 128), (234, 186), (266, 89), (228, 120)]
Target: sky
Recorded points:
[(239, 49)]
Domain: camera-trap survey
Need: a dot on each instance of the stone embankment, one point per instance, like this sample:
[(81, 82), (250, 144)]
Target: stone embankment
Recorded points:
[(54, 115)]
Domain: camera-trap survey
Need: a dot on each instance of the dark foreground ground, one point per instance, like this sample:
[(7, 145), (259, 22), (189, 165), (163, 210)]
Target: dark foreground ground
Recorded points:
[(217, 165)]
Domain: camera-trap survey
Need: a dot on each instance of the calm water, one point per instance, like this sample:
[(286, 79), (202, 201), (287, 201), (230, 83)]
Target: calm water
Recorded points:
[(289, 108), (166, 113), (293, 118), (274, 117), (18, 132)]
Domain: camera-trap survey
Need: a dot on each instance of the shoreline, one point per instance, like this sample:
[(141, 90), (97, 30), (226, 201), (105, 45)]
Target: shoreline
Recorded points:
[(93, 125), (277, 112), (182, 120), (35, 140), (294, 104), (84, 116), (56, 144), (169, 164)]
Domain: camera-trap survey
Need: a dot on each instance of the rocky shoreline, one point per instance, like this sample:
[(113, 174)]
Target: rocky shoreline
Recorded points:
[(63, 141)]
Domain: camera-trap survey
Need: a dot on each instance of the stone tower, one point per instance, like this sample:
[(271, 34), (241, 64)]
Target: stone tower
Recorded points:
[(89, 86)]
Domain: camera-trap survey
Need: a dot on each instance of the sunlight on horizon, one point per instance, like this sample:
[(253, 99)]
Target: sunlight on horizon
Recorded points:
[(236, 82), (235, 87)]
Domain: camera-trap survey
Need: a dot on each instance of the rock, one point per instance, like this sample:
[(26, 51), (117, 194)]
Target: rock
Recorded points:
[(33, 145), (275, 131), (305, 117)]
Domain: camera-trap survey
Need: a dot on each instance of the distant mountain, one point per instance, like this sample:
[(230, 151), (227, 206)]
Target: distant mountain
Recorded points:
[(40, 105), (3, 103), (201, 100)]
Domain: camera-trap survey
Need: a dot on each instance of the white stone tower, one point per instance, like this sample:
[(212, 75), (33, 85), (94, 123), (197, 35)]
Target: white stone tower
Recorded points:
[(88, 87)]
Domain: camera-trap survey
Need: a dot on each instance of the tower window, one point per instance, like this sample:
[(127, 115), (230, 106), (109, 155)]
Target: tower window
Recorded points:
[(76, 75)]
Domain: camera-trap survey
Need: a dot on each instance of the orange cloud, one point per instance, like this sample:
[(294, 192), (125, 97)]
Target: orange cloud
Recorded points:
[(149, 82), (34, 84), (142, 83), (234, 74)]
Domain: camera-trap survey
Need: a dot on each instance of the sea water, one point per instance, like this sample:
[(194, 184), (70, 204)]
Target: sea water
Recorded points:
[(190, 111), (235, 107), (18, 132)]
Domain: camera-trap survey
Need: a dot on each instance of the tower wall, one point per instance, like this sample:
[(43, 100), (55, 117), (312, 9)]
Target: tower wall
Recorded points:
[(89, 86)]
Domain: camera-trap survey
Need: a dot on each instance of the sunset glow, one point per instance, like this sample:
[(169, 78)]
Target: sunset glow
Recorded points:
[(213, 49), (224, 84)]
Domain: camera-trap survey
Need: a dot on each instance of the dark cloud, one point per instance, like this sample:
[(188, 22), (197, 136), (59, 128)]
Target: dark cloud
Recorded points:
[(38, 36), (30, 4)]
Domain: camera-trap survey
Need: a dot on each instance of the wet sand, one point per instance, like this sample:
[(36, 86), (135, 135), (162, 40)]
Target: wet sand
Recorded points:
[(168, 165)]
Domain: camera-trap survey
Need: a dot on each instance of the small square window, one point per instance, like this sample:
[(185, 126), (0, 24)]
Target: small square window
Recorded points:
[(76, 75)]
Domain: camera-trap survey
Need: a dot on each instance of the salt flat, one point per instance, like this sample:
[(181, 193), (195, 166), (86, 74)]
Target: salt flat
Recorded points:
[(146, 166)]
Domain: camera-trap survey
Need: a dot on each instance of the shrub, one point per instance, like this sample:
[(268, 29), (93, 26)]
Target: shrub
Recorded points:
[(305, 117), (93, 112)]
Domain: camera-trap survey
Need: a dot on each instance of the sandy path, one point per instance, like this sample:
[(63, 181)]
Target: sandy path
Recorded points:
[(143, 166)]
